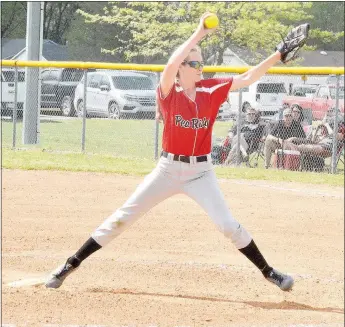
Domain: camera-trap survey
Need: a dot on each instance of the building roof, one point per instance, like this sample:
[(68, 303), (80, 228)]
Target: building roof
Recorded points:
[(51, 50), (322, 58), (316, 58), (10, 47)]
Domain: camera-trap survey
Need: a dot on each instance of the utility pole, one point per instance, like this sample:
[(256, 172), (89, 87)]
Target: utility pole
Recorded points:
[(32, 101)]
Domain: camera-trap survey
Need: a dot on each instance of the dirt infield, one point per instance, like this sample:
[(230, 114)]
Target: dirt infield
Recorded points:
[(172, 267)]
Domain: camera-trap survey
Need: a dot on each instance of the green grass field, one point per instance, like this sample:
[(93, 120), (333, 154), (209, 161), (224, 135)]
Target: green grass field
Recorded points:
[(123, 147), (122, 138)]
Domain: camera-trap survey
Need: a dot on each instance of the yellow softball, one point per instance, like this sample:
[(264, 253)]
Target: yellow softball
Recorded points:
[(211, 21)]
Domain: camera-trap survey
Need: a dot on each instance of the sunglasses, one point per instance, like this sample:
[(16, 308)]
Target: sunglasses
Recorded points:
[(296, 111), (288, 115), (194, 64)]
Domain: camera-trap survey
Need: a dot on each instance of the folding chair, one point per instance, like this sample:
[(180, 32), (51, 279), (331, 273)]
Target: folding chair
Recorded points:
[(255, 156), (308, 130), (339, 157)]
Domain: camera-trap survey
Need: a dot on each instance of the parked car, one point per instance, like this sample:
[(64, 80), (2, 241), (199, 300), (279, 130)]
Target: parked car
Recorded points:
[(224, 112), (7, 91), (265, 96), (116, 93), (318, 103), (58, 88), (301, 90), (332, 79), (298, 95)]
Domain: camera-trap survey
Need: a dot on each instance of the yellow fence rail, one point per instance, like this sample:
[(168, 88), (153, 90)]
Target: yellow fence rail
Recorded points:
[(159, 68)]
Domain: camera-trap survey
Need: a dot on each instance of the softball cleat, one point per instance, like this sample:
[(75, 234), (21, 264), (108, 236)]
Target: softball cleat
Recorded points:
[(59, 275), (284, 282)]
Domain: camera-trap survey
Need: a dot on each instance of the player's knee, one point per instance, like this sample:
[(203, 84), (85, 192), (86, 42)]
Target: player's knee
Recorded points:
[(238, 236)]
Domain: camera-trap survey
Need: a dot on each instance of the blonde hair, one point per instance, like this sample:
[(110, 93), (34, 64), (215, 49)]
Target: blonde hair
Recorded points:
[(194, 49)]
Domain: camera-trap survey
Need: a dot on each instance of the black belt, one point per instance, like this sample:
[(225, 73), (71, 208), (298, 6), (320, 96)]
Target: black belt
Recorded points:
[(186, 159)]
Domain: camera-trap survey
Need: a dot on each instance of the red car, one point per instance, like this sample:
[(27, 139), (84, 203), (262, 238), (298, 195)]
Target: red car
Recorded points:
[(316, 102)]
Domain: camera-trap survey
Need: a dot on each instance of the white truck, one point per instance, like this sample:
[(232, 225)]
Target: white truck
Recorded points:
[(7, 91), (265, 96)]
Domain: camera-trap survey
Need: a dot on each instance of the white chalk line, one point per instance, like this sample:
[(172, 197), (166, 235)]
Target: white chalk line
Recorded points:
[(28, 282)]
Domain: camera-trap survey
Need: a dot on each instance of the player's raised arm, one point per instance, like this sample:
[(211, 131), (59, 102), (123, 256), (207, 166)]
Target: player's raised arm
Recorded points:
[(170, 71), (286, 51), (255, 73)]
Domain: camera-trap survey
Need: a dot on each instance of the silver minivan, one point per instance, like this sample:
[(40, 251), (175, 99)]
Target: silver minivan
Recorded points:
[(116, 94)]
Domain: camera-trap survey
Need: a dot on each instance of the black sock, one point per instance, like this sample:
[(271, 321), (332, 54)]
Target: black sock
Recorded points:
[(89, 247), (252, 252)]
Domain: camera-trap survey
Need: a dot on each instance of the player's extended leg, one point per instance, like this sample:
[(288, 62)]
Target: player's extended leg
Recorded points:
[(160, 184), (206, 192)]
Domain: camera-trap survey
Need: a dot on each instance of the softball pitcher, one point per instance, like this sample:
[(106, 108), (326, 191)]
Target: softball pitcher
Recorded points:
[(188, 106)]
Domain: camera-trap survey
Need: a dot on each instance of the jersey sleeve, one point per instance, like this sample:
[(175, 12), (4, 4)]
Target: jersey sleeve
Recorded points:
[(219, 89), (164, 102)]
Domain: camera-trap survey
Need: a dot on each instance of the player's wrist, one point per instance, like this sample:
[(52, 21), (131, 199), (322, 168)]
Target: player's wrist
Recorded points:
[(200, 33), (278, 54)]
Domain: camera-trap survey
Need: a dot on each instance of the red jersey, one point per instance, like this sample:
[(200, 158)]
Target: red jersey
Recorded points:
[(188, 124)]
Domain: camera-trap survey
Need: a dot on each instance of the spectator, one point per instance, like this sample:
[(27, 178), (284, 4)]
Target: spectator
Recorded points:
[(323, 147), (329, 116), (298, 116), (251, 133), (282, 135)]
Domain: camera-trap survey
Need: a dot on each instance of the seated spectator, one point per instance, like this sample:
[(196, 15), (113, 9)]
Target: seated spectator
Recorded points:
[(314, 153), (251, 133), (297, 116), (330, 115), (323, 147), (282, 135)]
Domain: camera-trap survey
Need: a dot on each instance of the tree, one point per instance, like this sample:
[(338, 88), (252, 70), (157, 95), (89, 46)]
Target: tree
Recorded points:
[(57, 19), (150, 31), (328, 19), (13, 19), (85, 40)]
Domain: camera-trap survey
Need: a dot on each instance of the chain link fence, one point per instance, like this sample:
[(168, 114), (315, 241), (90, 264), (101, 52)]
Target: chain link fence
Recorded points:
[(286, 122), (293, 122)]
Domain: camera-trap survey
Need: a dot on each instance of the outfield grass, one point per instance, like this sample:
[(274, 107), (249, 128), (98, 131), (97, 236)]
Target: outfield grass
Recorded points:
[(123, 138), (123, 147), (126, 138), (43, 160)]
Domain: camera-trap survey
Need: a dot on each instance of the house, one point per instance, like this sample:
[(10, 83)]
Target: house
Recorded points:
[(240, 56), (237, 56), (15, 49), (322, 58)]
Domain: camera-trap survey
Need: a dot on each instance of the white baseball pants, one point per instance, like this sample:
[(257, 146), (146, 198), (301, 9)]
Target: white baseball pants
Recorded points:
[(197, 180)]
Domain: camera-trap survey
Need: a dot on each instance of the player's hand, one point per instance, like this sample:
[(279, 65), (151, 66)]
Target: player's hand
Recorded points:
[(159, 117), (201, 27)]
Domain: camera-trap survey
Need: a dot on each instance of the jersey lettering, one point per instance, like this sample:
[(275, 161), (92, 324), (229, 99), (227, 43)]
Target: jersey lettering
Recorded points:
[(194, 123), (188, 124)]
